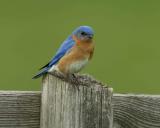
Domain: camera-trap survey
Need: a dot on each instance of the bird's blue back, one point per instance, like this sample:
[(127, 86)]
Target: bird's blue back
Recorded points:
[(65, 47)]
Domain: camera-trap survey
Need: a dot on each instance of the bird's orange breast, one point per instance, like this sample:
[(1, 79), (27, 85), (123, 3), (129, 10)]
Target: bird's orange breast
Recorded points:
[(76, 58)]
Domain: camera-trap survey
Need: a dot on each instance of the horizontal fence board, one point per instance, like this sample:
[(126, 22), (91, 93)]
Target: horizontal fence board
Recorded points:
[(136, 111), (19, 109)]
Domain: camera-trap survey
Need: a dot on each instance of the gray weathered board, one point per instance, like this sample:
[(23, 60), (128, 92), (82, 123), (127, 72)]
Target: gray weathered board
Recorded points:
[(65, 105), (19, 109), (136, 111)]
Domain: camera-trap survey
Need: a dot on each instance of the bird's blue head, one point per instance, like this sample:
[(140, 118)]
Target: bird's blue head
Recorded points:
[(83, 33)]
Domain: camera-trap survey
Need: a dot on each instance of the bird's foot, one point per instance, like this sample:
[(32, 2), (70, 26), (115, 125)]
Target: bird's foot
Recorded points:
[(72, 78)]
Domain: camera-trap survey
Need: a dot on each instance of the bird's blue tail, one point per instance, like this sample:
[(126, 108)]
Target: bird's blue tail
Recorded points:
[(41, 72)]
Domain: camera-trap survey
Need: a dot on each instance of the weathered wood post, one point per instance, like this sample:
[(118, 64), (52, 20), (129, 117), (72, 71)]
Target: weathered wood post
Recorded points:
[(65, 105)]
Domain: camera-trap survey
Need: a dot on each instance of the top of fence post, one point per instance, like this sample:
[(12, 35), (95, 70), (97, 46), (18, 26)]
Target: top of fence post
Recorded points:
[(66, 105)]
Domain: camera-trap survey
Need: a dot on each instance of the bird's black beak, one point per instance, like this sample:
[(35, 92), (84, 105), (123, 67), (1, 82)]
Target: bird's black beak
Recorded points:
[(90, 36)]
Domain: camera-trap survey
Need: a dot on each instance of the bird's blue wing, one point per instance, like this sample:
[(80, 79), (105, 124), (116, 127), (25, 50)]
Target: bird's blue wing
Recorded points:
[(64, 48)]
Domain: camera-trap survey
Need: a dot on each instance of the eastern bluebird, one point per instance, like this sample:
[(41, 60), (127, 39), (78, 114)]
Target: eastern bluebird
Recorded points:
[(73, 54)]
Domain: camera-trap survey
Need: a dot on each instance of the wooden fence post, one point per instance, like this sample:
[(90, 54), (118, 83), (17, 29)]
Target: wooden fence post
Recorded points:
[(66, 106)]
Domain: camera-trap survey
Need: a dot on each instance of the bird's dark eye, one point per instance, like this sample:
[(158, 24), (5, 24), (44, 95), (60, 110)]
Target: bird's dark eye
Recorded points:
[(83, 33)]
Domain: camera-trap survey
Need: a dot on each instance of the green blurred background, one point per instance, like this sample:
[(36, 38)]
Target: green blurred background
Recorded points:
[(127, 54)]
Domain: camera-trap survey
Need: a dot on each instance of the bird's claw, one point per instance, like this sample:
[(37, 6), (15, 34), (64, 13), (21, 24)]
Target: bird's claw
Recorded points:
[(72, 78)]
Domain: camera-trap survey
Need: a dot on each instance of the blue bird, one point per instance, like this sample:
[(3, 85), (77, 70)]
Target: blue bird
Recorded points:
[(73, 53)]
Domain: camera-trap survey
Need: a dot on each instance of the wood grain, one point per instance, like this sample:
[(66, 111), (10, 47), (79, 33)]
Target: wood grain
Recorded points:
[(136, 111), (70, 106), (63, 106), (19, 109)]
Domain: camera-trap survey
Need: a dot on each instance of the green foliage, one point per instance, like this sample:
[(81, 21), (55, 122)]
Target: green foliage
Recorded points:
[(127, 54)]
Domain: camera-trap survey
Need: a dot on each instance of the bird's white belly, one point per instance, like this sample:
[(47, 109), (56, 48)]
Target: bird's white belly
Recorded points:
[(77, 66)]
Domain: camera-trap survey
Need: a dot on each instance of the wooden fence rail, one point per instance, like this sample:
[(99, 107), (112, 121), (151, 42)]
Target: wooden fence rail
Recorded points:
[(136, 111), (19, 109), (89, 107)]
